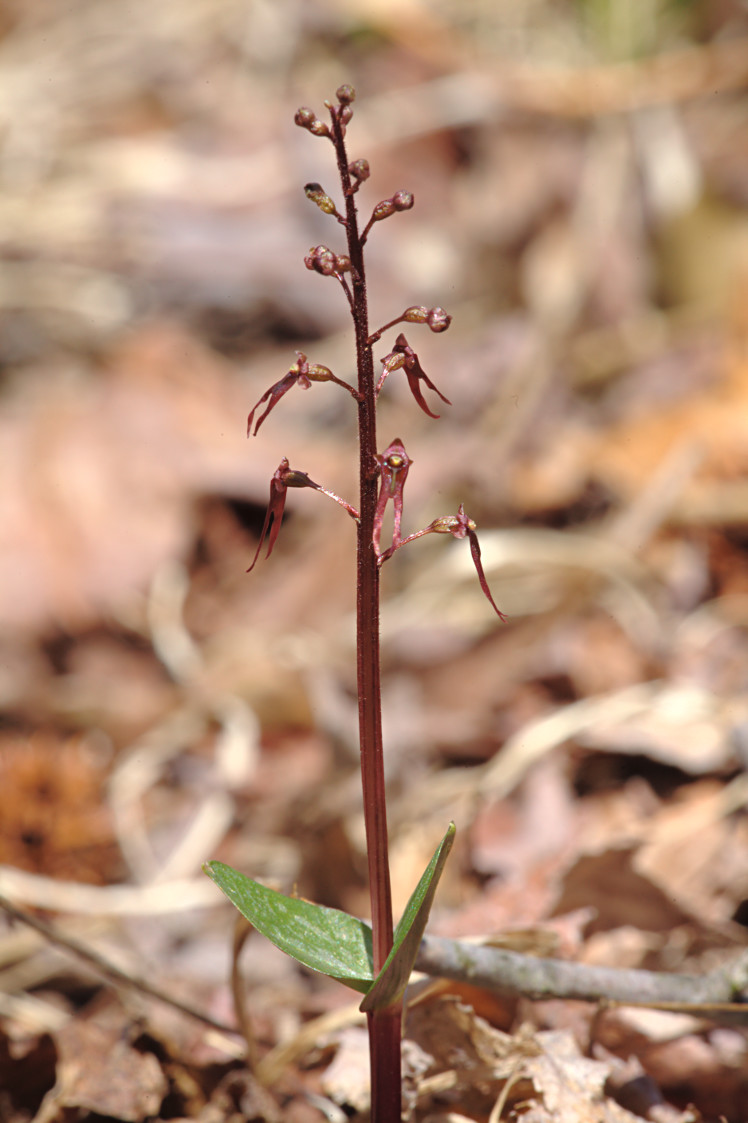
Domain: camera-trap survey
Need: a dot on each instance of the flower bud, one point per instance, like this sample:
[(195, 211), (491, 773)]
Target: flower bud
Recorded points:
[(417, 315), (402, 200), (322, 260), (444, 525), (383, 210), (343, 263), (292, 478), (438, 320), (305, 117), (359, 170), (452, 524), (393, 362), (316, 193), (345, 114), (345, 94), (318, 373)]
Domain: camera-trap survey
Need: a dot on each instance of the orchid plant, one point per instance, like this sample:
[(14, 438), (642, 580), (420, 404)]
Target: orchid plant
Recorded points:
[(375, 959)]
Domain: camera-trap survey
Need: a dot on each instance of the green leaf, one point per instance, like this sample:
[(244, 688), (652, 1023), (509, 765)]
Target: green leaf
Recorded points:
[(388, 987), (324, 939)]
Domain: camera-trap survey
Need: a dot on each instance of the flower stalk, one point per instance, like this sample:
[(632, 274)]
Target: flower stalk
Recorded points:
[(382, 478)]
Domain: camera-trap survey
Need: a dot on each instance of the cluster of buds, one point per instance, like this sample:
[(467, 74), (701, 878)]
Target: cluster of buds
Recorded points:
[(306, 118), (322, 260), (345, 95)]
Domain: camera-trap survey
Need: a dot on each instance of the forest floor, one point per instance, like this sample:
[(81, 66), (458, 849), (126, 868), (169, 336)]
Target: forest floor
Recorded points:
[(582, 213)]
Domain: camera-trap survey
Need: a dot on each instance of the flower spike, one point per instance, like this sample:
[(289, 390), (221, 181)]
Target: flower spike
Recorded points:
[(393, 465), (283, 478), (403, 355), (302, 373)]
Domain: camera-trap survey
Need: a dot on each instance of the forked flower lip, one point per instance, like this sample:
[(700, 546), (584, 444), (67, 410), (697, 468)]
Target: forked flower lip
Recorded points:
[(459, 526), (302, 374), (283, 478), (403, 355)]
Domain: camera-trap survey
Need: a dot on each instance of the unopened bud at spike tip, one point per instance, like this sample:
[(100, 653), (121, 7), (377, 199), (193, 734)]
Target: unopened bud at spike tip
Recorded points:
[(345, 94), (305, 117)]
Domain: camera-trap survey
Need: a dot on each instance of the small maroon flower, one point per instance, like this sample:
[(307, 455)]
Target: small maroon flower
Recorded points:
[(302, 374), (393, 465), (460, 526), (403, 355), (283, 478)]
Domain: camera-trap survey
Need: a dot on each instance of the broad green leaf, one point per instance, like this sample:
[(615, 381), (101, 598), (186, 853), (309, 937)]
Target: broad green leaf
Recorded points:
[(392, 980), (324, 939)]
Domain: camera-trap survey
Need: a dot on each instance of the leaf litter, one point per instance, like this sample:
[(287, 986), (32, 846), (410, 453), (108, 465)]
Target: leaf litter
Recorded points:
[(161, 708)]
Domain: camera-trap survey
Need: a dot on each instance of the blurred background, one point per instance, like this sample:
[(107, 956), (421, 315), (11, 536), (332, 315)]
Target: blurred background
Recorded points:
[(580, 170)]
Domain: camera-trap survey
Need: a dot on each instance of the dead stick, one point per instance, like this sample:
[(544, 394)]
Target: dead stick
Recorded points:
[(108, 970), (723, 991)]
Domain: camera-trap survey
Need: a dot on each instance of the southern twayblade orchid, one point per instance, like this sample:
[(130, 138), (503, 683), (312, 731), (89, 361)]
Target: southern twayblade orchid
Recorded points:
[(378, 960), (459, 526), (283, 478), (393, 466), (301, 374), (403, 355)]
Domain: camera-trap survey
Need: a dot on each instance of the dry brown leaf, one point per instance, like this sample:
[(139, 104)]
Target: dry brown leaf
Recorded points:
[(545, 1071), (99, 1071)]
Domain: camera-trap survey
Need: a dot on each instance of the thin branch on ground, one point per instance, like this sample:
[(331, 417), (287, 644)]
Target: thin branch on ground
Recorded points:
[(721, 994), (111, 974)]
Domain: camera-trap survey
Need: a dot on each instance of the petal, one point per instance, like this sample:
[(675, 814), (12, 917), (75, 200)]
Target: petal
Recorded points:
[(475, 551), (275, 512), (275, 393), (414, 373)]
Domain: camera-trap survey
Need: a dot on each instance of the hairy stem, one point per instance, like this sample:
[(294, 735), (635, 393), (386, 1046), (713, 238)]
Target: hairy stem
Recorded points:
[(384, 1026)]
